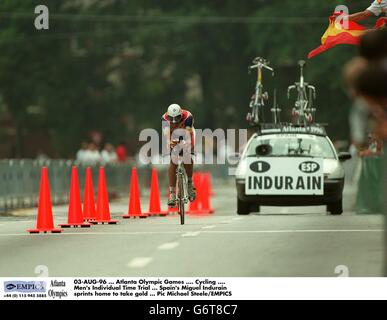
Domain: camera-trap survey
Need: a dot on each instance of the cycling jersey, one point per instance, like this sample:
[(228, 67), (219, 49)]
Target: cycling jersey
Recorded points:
[(186, 119)]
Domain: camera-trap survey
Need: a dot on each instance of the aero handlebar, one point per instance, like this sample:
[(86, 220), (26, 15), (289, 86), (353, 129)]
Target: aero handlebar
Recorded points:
[(260, 63)]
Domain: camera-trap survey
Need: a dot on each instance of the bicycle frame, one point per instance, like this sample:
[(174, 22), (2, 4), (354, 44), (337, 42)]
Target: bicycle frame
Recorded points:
[(303, 110), (257, 114), (259, 88)]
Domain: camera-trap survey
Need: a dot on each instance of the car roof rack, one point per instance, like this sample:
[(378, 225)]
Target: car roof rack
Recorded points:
[(317, 129)]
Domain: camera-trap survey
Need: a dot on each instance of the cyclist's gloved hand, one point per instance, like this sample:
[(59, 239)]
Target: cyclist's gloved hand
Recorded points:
[(173, 143)]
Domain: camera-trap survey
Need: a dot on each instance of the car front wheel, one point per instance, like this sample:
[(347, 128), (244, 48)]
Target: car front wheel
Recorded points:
[(243, 208)]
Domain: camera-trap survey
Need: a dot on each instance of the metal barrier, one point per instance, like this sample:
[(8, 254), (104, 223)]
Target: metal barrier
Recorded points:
[(20, 179)]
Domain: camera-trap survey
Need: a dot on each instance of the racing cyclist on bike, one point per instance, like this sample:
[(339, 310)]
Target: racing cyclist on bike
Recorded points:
[(178, 130)]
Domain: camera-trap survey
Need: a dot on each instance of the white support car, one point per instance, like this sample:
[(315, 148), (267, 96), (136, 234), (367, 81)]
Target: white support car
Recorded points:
[(290, 166)]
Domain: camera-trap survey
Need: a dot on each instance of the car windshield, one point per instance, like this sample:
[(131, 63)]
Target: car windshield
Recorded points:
[(293, 146)]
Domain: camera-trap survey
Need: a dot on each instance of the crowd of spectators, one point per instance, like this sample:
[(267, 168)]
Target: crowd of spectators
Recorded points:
[(366, 80), (90, 154)]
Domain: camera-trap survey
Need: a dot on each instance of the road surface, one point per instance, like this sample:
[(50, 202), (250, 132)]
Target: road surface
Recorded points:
[(277, 242)]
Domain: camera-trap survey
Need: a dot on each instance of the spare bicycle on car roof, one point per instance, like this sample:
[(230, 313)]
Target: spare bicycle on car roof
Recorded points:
[(303, 112)]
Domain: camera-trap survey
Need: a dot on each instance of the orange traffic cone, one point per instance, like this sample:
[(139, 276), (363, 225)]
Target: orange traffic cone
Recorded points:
[(103, 209), (210, 184), (75, 217), (134, 210), (45, 220), (194, 206), (154, 200), (206, 194), (89, 213)]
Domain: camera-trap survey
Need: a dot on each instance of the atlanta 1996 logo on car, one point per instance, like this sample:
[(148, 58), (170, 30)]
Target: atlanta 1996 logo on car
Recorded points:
[(309, 167), (24, 286)]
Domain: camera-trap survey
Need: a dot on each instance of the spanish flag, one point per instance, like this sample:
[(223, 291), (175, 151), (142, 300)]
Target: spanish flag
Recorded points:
[(339, 33)]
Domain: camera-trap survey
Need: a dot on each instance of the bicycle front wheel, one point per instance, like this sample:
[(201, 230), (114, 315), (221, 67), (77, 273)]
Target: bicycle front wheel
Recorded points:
[(255, 115), (181, 203)]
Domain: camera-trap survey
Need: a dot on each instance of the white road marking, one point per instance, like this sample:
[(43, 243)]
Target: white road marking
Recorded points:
[(237, 218), (191, 234), (65, 233), (18, 221), (140, 262), (168, 246), (208, 227), (295, 231)]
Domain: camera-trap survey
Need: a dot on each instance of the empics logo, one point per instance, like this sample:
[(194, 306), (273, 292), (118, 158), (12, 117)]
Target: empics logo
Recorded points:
[(24, 286), (10, 286)]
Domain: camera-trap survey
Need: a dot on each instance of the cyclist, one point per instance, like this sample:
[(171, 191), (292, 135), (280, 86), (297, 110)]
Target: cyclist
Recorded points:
[(377, 8), (178, 130)]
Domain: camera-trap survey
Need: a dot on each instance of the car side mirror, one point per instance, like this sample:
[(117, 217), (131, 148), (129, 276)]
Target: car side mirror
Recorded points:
[(234, 157), (344, 156), (263, 150)]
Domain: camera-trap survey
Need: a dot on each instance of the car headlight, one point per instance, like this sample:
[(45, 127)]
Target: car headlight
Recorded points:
[(333, 169), (330, 166)]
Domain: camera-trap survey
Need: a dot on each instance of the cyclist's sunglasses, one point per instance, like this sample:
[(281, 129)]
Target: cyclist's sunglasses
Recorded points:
[(176, 119)]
